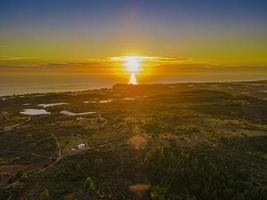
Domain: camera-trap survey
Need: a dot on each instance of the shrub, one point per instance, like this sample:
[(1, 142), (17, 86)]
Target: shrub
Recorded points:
[(45, 194), (89, 183)]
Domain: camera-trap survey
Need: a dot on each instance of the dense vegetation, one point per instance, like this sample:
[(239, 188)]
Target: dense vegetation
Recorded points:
[(200, 175)]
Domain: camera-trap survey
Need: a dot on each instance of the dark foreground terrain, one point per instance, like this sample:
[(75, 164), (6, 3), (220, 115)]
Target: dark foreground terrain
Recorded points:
[(199, 141)]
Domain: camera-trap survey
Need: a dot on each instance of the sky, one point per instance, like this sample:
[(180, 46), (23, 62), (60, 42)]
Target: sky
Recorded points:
[(185, 36)]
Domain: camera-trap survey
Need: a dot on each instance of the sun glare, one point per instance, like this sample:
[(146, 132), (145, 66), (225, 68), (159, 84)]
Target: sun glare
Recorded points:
[(133, 79), (135, 65), (132, 64)]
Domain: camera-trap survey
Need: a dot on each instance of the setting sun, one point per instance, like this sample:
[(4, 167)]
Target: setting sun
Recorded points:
[(132, 65)]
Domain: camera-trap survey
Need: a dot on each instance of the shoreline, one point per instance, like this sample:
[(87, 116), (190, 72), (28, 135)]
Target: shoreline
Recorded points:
[(110, 87)]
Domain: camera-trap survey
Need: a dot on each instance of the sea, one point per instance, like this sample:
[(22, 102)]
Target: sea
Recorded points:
[(18, 85), (38, 83)]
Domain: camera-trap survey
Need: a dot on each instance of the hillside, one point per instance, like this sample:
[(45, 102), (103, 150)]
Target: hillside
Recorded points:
[(192, 141)]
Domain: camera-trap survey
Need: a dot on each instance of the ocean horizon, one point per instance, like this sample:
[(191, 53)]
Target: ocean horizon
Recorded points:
[(18, 85)]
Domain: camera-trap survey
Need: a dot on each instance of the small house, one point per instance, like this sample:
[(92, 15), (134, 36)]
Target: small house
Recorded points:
[(81, 146)]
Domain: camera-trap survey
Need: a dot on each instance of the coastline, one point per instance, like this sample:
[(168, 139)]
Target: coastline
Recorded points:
[(44, 91)]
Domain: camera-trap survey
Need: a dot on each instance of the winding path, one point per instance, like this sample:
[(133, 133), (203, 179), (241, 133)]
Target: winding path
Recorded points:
[(12, 127)]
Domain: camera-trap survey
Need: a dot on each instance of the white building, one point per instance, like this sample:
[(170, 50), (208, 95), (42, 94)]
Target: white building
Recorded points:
[(81, 146)]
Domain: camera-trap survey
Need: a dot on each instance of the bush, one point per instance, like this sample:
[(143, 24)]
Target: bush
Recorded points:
[(89, 183), (45, 194)]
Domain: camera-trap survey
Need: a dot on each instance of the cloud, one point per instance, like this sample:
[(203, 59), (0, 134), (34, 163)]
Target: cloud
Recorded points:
[(159, 60), (111, 65), (15, 58), (29, 61)]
